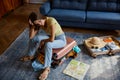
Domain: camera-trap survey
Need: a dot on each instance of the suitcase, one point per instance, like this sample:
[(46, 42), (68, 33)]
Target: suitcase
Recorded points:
[(108, 50), (59, 54)]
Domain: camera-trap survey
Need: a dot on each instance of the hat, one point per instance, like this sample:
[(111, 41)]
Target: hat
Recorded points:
[(95, 42)]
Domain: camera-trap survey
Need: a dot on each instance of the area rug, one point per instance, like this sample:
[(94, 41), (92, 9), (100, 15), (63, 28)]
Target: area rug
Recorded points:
[(103, 67)]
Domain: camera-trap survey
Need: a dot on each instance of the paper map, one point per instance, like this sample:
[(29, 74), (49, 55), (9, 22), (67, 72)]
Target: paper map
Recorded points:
[(76, 69)]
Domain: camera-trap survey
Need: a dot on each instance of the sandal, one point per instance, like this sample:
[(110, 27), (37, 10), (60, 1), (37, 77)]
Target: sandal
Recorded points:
[(44, 75), (27, 58)]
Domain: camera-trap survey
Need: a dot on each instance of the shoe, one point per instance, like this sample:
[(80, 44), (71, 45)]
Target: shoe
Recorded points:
[(44, 75), (27, 58)]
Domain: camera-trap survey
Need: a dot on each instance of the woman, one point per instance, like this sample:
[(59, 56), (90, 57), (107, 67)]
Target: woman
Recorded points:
[(53, 37)]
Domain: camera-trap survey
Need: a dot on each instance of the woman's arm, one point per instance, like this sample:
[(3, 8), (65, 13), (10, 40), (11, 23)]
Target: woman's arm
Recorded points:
[(52, 34), (32, 32), (50, 39)]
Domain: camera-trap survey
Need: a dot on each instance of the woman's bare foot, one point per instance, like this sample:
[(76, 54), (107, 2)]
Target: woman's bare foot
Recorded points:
[(45, 73), (27, 58)]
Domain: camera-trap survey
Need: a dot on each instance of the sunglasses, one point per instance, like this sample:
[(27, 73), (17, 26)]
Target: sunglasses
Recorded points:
[(94, 47)]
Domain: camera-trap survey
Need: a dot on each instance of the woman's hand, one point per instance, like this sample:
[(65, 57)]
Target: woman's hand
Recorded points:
[(32, 31), (30, 22), (31, 25)]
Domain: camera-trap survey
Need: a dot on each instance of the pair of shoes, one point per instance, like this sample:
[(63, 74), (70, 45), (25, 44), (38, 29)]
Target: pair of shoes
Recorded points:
[(44, 75), (27, 58)]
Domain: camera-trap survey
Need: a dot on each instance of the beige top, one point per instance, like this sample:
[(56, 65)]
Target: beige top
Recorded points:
[(52, 21)]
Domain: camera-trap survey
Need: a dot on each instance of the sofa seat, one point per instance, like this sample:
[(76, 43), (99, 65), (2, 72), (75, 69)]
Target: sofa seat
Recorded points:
[(94, 14), (103, 17), (68, 15)]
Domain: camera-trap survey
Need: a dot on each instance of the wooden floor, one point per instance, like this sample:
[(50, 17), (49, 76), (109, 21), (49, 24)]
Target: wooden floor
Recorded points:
[(13, 23)]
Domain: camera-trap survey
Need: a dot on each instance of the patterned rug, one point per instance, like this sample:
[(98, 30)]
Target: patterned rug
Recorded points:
[(103, 67)]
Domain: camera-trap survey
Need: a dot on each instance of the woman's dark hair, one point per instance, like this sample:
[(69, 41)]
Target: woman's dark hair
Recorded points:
[(32, 17)]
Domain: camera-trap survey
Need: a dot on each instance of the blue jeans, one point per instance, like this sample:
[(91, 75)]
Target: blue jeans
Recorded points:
[(59, 42)]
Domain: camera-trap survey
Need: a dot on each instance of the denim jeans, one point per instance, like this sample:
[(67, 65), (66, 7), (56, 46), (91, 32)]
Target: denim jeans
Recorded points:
[(59, 42)]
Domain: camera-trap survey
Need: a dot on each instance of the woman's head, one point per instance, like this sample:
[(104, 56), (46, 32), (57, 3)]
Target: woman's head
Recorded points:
[(36, 22), (32, 20), (32, 17)]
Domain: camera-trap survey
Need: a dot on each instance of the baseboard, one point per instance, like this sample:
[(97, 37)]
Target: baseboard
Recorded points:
[(36, 2)]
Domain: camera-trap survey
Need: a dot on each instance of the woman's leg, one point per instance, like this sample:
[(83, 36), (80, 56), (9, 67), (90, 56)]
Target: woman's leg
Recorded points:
[(58, 43), (34, 43), (48, 50), (36, 64), (33, 46)]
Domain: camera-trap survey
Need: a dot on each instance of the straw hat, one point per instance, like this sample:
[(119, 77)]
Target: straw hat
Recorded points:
[(95, 42)]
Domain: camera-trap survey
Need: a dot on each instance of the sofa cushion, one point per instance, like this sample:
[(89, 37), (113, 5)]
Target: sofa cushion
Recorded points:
[(69, 4), (68, 15), (104, 5), (103, 17)]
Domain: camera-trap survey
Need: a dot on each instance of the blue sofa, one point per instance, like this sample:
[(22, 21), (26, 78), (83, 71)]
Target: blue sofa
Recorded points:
[(97, 14)]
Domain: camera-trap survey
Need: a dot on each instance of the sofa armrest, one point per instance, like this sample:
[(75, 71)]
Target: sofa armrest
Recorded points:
[(45, 8)]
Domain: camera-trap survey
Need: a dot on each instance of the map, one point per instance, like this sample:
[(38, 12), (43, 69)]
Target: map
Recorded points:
[(76, 69)]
